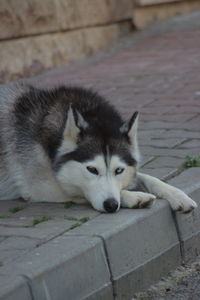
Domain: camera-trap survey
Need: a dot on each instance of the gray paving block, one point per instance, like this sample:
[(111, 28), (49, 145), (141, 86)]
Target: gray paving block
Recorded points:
[(16, 222), (188, 180), (166, 162), (161, 173), (136, 239), (66, 268), (13, 247), (143, 277), (40, 231), (161, 142), (189, 230), (190, 144), (189, 224), (175, 152), (14, 288)]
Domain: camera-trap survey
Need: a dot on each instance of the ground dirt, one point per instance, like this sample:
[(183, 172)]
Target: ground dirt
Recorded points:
[(182, 284)]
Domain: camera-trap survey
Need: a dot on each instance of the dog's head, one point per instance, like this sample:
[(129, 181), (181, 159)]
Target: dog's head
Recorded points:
[(95, 163)]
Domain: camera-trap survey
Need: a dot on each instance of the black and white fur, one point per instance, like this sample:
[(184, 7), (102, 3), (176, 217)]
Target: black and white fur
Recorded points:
[(69, 142)]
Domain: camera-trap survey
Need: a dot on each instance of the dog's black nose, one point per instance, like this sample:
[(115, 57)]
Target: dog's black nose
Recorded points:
[(110, 205)]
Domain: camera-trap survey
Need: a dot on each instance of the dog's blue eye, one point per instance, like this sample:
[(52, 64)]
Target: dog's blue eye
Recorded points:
[(93, 170), (119, 171)]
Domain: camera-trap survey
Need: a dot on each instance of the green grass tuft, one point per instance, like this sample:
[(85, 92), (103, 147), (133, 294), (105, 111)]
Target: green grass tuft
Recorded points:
[(16, 209), (79, 222), (71, 219), (69, 204), (5, 217), (40, 220), (192, 161), (75, 225), (84, 220)]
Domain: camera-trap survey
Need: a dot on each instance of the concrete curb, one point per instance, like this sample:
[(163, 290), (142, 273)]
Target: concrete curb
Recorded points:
[(188, 226), (111, 256)]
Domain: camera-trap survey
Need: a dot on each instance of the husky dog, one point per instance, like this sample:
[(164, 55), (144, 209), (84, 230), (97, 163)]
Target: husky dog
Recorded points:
[(63, 143)]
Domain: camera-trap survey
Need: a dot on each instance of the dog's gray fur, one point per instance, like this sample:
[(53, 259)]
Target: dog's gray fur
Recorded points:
[(69, 142)]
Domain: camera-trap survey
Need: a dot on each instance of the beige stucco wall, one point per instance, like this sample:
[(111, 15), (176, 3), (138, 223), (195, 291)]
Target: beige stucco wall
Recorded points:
[(36, 35), (146, 12)]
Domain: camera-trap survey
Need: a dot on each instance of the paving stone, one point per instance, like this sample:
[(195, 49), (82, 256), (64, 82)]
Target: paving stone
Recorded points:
[(168, 118), (14, 287), (194, 123), (45, 209), (122, 235), (161, 173), (172, 128), (180, 153), (8, 205), (149, 109), (166, 162), (189, 225), (75, 267), (16, 222), (189, 228), (146, 159), (55, 210), (14, 247), (40, 231), (190, 144), (182, 133), (183, 109), (58, 219), (150, 134), (188, 180), (162, 142)]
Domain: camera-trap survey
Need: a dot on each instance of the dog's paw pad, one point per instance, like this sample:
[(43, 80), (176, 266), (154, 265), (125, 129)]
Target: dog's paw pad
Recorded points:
[(190, 209), (147, 203), (185, 205)]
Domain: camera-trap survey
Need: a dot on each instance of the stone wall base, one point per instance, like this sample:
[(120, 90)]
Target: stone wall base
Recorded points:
[(144, 15), (31, 55)]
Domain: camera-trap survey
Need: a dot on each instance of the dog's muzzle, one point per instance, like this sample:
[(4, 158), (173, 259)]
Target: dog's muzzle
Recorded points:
[(110, 205)]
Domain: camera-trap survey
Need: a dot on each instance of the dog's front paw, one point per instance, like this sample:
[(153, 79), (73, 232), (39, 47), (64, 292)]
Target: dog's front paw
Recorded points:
[(136, 199), (181, 202)]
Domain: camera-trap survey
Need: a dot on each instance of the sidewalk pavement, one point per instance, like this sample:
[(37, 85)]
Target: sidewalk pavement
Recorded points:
[(56, 252)]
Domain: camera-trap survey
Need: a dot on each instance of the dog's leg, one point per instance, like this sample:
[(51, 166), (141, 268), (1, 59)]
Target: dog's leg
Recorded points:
[(46, 191), (37, 182), (178, 200), (132, 199)]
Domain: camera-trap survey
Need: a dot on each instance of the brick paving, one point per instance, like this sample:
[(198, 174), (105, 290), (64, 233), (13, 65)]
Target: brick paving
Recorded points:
[(156, 73)]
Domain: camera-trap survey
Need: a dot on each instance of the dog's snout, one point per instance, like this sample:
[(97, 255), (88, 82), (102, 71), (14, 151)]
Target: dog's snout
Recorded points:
[(110, 205)]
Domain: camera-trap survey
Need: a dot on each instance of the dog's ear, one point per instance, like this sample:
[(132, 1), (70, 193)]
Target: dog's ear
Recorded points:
[(130, 128), (74, 124)]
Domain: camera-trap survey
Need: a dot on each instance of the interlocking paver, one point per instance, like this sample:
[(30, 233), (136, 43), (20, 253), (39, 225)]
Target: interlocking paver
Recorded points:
[(165, 162), (180, 153), (14, 247), (161, 142), (162, 173), (190, 144)]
